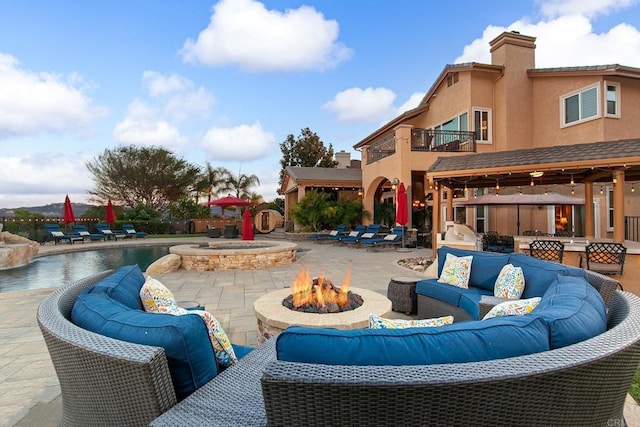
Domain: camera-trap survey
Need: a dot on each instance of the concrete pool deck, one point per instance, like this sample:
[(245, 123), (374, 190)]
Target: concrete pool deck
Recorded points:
[(29, 390)]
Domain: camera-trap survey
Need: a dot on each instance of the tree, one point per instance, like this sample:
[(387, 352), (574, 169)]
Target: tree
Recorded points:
[(187, 208), (313, 211), (132, 175), (213, 182), (307, 150), (241, 185)]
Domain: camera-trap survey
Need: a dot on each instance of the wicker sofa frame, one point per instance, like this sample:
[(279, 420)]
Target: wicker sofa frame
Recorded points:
[(103, 381), (106, 381)]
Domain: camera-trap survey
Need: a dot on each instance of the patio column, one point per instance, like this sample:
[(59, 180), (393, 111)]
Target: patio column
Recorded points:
[(435, 213), (449, 204), (589, 213), (301, 193), (618, 206)]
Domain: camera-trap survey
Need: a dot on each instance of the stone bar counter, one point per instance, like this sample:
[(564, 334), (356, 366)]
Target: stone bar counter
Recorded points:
[(574, 247)]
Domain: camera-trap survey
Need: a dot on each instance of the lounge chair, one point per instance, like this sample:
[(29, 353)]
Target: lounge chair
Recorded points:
[(55, 233), (130, 230), (333, 235), (83, 232), (371, 232), (109, 233), (392, 239)]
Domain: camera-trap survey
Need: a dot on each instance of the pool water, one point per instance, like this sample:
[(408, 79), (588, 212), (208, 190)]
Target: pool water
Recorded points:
[(56, 270)]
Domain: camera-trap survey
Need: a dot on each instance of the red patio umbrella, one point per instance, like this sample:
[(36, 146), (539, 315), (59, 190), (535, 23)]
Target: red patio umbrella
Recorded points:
[(68, 216), (111, 215), (401, 212), (228, 201), (247, 226)]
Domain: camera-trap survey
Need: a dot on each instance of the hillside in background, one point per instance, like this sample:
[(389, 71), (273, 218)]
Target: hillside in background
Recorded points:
[(54, 210)]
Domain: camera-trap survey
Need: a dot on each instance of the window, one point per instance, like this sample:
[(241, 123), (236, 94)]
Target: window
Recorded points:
[(452, 79), (609, 193), (482, 124), (580, 106), (612, 101)]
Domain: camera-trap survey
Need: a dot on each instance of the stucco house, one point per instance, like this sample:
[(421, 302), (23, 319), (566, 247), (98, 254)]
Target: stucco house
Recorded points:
[(509, 127)]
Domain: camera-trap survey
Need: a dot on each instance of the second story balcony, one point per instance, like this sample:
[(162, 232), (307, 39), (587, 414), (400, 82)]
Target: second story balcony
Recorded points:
[(443, 141), (428, 140)]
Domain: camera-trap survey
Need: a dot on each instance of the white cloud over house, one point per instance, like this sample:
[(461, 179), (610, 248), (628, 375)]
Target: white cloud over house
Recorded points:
[(247, 34)]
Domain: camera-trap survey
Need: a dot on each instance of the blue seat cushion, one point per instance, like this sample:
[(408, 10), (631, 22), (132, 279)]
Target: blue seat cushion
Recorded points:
[(241, 350), (456, 343), (539, 274), (485, 266), (123, 286), (184, 338), (470, 301), (440, 291), (574, 311)]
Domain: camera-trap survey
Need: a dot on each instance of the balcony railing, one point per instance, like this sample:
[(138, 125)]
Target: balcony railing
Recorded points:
[(443, 141), (384, 148)]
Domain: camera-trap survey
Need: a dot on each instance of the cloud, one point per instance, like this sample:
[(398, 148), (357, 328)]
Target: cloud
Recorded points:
[(246, 33), (362, 105), (40, 174), (566, 41), (240, 143), (590, 8), (143, 131), (32, 103), (172, 100)]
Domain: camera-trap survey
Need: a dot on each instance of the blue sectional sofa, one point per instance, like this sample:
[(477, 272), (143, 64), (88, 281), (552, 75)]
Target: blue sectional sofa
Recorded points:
[(570, 311), (112, 307)]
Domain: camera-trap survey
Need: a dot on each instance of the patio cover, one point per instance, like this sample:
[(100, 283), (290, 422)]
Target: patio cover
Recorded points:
[(597, 162)]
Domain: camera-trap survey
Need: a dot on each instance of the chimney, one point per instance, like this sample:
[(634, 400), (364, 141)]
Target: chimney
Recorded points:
[(513, 49), (344, 159)]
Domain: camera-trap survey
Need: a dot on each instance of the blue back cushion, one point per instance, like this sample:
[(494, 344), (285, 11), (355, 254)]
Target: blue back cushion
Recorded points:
[(460, 342), (123, 286), (184, 338), (539, 274), (485, 266), (574, 311)]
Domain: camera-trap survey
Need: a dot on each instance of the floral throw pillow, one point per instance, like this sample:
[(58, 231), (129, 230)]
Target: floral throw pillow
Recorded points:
[(157, 298), (377, 322), (456, 271), (513, 308), (510, 283)]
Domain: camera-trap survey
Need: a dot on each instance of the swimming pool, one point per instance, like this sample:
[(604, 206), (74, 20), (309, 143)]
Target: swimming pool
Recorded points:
[(55, 270)]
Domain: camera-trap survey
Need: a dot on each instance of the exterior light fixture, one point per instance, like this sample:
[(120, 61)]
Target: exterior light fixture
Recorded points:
[(395, 183), (633, 189), (360, 191), (601, 190), (536, 174)]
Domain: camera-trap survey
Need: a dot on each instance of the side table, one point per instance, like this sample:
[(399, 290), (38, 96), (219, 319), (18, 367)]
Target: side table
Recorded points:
[(402, 293)]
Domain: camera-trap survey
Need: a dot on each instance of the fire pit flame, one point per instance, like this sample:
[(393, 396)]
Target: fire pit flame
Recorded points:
[(320, 295)]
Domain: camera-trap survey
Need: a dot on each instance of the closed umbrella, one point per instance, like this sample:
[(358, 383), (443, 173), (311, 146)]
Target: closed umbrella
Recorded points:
[(402, 211), (247, 226), (68, 216), (111, 215)]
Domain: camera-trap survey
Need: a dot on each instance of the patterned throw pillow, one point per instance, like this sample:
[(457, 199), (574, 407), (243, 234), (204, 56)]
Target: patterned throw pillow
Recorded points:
[(157, 298), (456, 271), (510, 283), (354, 234), (390, 237), (367, 235), (377, 322), (333, 233), (513, 308)]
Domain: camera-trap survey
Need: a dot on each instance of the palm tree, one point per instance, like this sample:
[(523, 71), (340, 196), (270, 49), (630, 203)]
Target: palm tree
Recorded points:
[(213, 182), (242, 185)]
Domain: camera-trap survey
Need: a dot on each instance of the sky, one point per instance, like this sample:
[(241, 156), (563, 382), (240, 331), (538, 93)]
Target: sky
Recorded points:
[(227, 81)]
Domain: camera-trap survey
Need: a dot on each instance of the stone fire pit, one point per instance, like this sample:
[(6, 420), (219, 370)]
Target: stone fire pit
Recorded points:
[(274, 318)]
